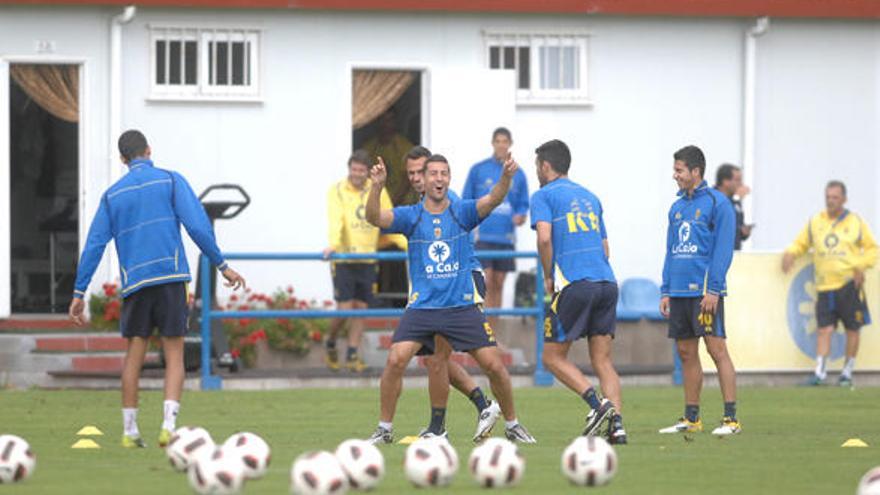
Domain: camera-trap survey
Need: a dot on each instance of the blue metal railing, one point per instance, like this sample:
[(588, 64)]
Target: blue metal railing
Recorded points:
[(214, 382)]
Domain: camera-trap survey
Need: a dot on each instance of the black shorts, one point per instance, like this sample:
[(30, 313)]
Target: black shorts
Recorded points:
[(163, 307), (846, 304), (465, 328), (501, 265), (354, 281), (686, 321), (583, 309)]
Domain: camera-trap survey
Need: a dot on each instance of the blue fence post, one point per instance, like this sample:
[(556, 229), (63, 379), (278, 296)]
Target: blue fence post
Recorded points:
[(209, 381), (542, 378), (676, 369)]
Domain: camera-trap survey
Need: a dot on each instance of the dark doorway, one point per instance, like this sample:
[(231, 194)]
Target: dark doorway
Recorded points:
[(44, 182), (403, 118)]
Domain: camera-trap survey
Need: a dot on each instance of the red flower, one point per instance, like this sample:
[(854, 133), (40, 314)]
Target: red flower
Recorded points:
[(236, 353), (290, 289), (244, 307), (328, 303), (109, 290), (233, 297), (316, 336)]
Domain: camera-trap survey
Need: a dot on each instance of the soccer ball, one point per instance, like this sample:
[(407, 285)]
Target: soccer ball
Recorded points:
[(870, 483), (362, 462), (497, 463), (216, 474), (317, 473), (430, 462), (589, 461), (252, 450), (188, 444), (17, 462)]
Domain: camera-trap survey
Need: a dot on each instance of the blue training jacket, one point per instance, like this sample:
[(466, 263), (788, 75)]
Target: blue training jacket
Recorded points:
[(498, 227), (699, 244), (142, 213)]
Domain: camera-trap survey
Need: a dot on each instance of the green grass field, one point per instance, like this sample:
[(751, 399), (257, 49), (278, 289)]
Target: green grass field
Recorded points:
[(790, 444)]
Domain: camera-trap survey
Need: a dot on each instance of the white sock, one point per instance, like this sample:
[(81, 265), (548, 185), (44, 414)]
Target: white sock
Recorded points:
[(511, 424), (820, 367), (385, 424), (848, 367), (172, 408), (129, 422)]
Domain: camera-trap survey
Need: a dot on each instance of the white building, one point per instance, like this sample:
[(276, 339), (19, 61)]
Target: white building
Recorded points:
[(625, 84)]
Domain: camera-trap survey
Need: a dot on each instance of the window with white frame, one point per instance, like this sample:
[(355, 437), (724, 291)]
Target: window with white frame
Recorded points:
[(550, 68), (204, 63)]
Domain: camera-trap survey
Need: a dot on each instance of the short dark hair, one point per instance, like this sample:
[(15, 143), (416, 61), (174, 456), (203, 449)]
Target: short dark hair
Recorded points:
[(724, 172), (417, 152), (557, 154), (437, 158), (836, 183), (361, 156), (692, 157), (132, 144), (504, 131)]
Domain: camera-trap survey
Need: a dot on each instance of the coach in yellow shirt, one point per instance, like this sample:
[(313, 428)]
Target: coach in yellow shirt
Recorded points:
[(843, 249), (353, 281)]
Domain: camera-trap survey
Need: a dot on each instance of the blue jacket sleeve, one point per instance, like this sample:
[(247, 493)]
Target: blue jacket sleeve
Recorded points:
[(192, 215), (664, 286), (519, 198), (100, 234), (722, 253), (468, 191)]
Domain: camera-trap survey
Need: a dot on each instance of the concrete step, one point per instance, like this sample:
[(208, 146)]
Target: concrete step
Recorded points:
[(81, 343)]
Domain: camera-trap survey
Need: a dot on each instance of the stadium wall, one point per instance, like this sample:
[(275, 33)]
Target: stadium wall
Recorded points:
[(656, 84)]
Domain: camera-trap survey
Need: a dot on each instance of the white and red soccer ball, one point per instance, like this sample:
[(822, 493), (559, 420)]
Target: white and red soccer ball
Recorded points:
[(870, 483), (497, 463), (253, 452), (17, 461), (187, 444), (318, 473), (430, 462), (362, 462), (216, 474), (589, 461)]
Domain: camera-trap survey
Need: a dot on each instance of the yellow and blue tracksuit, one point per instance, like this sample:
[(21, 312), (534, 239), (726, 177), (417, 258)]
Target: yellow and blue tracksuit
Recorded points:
[(348, 227), (840, 246)]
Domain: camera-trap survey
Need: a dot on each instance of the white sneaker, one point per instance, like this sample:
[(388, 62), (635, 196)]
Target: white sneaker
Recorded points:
[(728, 427), (486, 421), (683, 426)]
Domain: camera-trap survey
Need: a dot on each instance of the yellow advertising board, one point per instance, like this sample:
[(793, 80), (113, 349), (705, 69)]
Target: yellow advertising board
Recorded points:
[(770, 317)]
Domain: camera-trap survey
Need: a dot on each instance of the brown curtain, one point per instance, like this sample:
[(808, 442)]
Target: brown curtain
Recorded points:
[(374, 91), (54, 87)]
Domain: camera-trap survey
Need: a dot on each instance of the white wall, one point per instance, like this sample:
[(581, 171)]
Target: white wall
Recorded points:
[(657, 84), (817, 116)]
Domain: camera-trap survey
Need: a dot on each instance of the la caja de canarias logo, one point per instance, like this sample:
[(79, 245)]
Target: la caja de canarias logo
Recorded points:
[(801, 316)]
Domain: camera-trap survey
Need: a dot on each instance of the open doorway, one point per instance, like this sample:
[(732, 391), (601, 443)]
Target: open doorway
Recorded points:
[(44, 185), (387, 122)]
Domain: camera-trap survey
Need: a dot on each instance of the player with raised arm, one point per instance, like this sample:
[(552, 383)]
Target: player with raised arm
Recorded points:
[(442, 295), (488, 411)]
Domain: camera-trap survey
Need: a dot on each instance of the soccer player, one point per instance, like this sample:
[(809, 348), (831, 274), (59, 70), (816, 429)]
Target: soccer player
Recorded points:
[(843, 249), (498, 230), (353, 281), (142, 212), (699, 248), (488, 411), (573, 246), (442, 299)]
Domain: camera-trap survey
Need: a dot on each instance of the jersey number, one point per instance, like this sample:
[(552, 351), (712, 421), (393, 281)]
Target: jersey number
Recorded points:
[(576, 222)]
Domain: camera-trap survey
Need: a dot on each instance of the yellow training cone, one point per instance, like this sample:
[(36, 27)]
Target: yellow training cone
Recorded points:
[(85, 443), (89, 430), (854, 442), (408, 440)]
